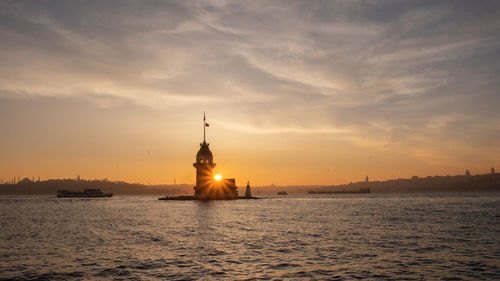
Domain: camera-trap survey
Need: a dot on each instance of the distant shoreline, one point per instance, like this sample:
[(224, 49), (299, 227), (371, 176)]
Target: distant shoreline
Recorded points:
[(459, 183)]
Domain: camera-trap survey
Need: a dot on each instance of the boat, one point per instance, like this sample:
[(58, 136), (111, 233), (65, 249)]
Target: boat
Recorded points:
[(87, 193), (282, 193), (361, 190)]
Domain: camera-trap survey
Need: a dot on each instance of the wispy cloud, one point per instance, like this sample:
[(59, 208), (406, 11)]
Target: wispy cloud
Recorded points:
[(382, 72)]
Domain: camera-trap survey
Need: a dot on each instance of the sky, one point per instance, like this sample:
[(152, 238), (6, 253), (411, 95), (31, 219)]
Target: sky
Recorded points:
[(295, 92)]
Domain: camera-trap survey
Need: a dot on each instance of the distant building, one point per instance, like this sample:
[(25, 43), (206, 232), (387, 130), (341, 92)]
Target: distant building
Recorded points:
[(24, 181), (467, 173)]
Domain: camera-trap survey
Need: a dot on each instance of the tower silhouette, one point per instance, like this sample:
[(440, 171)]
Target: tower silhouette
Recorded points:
[(248, 192), (204, 165), (207, 188)]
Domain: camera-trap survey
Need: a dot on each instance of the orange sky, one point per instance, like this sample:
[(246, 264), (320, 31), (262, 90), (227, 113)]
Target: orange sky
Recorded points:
[(61, 139), (295, 93)]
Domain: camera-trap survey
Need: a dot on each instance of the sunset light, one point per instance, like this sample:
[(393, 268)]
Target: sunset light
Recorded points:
[(358, 139)]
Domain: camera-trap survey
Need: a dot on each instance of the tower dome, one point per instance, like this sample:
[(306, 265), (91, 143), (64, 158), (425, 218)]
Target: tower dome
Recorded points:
[(204, 155)]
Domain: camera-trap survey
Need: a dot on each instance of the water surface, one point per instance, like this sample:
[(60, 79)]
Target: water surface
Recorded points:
[(402, 236)]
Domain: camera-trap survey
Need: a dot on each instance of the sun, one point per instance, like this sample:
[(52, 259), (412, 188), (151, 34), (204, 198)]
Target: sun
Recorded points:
[(218, 177)]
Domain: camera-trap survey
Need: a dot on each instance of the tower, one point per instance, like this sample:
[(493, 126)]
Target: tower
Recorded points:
[(204, 176), (204, 165), (207, 187), (248, 192)]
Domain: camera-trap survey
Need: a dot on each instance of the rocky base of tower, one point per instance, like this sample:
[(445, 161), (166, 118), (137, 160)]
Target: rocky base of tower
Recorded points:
[(190, 197)]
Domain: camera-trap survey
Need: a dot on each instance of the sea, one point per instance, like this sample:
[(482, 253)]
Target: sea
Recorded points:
[(431, 236)]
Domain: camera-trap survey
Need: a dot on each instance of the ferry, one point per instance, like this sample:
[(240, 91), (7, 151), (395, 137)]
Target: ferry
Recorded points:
[(87, 193)]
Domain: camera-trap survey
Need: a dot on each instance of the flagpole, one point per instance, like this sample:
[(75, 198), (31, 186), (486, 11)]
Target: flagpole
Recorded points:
[(204, 125)]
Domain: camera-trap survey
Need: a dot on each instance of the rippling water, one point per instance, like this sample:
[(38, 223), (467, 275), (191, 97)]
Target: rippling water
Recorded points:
[(418, 236)]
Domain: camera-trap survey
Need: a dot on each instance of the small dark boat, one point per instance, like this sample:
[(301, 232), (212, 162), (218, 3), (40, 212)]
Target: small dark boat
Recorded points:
[(282, 193), (87, 193)]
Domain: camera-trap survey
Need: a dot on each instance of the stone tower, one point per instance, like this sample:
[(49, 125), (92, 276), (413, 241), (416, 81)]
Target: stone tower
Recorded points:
[(204, 165), (208, 188)]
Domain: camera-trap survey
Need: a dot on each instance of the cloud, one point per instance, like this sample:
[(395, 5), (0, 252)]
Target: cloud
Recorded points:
[(383, 72)]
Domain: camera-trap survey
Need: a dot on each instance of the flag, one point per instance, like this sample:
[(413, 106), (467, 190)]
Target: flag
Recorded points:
[(206, 124)]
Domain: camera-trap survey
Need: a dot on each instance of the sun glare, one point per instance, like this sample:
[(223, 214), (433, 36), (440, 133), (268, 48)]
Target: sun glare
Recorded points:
[(218, 177)]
